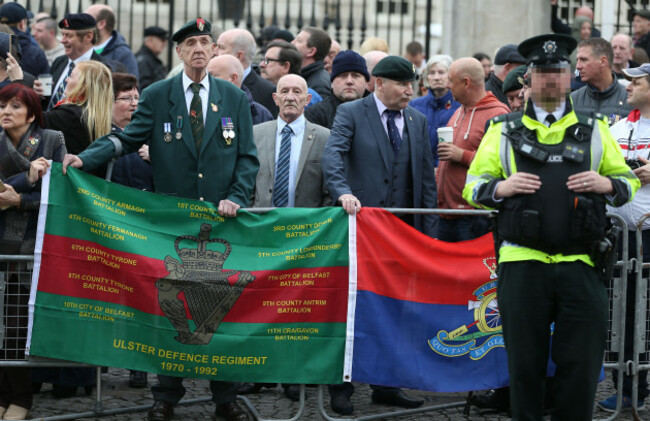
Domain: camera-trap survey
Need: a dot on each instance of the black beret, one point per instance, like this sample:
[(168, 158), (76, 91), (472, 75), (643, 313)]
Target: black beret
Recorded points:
[(395, 68), (155, 31), (508, 54), (549, 49), (78, 21), (191, 29), (643, 13), (514, 80), (12, 13)]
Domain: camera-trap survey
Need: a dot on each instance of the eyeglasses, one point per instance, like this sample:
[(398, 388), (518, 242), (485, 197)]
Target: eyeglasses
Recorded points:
[(267, 60), (128, 98)]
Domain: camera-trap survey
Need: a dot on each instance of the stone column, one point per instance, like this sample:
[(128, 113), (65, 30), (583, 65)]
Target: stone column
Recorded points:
[(470, 26)]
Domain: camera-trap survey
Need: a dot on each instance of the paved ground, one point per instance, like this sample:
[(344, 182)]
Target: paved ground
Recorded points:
[(271, 403)]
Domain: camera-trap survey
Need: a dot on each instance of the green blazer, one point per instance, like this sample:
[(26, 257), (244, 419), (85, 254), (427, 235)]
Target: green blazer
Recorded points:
[(218, 171)]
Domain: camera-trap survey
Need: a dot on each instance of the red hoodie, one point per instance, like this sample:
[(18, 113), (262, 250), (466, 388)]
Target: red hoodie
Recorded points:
[(469, 128)]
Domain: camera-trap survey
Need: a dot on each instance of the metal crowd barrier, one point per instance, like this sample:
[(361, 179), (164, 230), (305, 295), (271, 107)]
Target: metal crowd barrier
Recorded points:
[(21, 266)]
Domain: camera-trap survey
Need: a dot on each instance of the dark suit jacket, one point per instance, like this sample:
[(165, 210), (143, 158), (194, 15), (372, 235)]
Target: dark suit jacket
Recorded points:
[(356, 158), (311, 191), (59, 64), (262, 91), (217, 171)]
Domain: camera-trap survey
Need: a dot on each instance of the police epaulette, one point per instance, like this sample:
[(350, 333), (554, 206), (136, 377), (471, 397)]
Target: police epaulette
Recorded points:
[(513, 120), (589, 120)]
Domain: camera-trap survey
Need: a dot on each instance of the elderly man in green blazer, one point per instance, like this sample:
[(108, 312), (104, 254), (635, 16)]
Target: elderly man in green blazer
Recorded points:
[(201, 147)]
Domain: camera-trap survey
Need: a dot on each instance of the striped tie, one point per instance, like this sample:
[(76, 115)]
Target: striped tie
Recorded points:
[(281, 185), (58, 95), (196, 115)]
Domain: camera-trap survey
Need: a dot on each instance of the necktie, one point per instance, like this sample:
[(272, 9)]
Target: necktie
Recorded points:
[(550, 119), (196, 115), (393, 132), (281, 184), (58, 95)]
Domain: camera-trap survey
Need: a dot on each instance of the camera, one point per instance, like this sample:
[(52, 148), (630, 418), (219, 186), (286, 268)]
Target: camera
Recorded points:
[(633, 163)]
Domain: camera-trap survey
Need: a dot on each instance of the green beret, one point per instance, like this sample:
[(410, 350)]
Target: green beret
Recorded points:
[(514, 80), (642, 13), (395, 68), (192, 29)]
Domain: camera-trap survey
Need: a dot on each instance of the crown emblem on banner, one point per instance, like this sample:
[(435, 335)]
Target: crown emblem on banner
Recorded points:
[(200, 259), (491, 264)]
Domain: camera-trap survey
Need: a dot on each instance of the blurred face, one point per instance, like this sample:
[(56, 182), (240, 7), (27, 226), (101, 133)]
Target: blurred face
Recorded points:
[(349, 86), (639, 25), (438, 78), (291, 97), (457, 85), (638, 92), (270, 68), (157, 45), (621, 47), (588, 65), (124, 106), (548, 86), (487, 67), (334, 50), (585, 30), (195, 52), (13, 115), (73, 81), (516, 99), (42, 35), (224, 46), (393, 94), (301, 44), (74, 44)]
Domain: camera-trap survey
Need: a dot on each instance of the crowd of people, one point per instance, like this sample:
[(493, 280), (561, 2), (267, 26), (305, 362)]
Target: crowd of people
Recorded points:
[(310, 124)]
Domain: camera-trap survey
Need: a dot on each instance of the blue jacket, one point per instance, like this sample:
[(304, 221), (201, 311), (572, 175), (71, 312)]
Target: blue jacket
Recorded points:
[(438, 111), (118, 50), (33, 59)]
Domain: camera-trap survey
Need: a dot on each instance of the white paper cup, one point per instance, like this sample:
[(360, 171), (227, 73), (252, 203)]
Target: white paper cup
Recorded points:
[(445, 134), (46, 83)]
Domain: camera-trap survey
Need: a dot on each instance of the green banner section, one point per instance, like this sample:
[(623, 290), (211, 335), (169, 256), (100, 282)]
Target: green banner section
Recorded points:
[(161, 284)]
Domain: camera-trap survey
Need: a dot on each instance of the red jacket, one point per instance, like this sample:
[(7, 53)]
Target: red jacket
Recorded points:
[(469, 128)]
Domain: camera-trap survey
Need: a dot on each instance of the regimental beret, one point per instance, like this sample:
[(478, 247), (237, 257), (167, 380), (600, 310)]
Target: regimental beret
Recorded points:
[(547, 50), (78, 21), (155, 31), (508, 54), (514, 80), (12, 13), (395, 68), (643, 13), (349, 61), (191, 29)]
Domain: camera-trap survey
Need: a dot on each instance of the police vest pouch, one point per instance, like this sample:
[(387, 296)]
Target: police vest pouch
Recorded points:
[(589, 219), (518, 222)]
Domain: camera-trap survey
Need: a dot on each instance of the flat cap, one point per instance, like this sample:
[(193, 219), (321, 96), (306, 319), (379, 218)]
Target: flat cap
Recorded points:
[(78, 21), (395, 68), (514, 80), (349, 61), (192, 28), (155, 31), (548, 50), (12, 13), (643, 13), (508, 54)]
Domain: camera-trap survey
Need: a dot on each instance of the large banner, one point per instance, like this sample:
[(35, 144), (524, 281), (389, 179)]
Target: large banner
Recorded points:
[(426, 314), (137, 280)]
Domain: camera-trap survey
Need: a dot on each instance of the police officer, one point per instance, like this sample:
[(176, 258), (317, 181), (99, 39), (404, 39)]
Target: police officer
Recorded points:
[(549, 172)]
